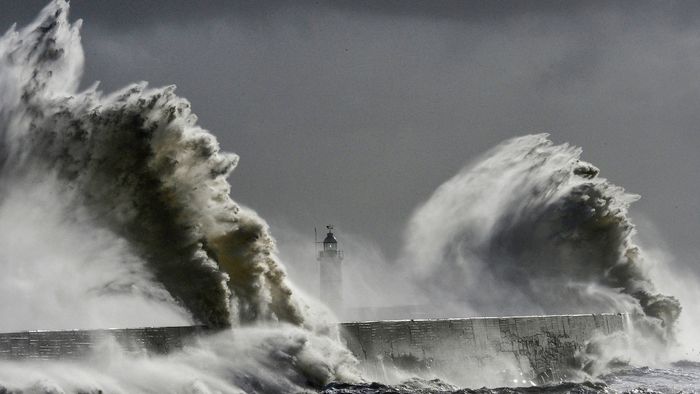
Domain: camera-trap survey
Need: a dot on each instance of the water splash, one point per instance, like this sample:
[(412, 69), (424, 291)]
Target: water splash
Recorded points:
[(530, 228), (139, 166), (117, 212)]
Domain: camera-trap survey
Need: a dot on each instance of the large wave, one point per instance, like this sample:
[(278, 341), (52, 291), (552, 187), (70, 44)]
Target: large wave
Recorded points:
[(531, 228), (115, 211), (138, 165)]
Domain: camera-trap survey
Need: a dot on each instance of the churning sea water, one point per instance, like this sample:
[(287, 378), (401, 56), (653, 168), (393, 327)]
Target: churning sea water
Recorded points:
[(680, 377)]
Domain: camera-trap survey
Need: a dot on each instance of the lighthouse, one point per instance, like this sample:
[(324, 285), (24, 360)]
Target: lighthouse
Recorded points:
[(330, 259)]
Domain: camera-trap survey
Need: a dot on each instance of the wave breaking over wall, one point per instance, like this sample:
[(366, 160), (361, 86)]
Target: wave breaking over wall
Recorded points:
[(138, 166), (115, 212), (531, 228)]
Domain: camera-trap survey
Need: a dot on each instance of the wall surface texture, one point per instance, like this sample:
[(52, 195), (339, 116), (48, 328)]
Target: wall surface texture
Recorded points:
[(537, 348), (79, 343)]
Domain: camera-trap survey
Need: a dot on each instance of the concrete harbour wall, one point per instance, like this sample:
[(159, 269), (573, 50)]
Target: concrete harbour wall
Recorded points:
[(539, 348), (542, 348), (72, 344)]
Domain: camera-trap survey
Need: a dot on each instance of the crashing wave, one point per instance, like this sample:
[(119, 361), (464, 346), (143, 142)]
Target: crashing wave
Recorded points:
[(530, 228), (140, 166), (125, 216)]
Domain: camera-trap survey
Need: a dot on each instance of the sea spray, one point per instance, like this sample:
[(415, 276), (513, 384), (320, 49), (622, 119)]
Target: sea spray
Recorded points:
[(62, 272), (135, 197), (260, 359), (142, 168), (531, 228)]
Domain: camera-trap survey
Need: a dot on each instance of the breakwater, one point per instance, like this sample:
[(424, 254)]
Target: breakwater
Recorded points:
[(537, 348), (73, 344)]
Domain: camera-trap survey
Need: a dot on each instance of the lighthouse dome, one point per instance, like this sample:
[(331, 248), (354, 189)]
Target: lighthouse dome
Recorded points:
[(330, 239)]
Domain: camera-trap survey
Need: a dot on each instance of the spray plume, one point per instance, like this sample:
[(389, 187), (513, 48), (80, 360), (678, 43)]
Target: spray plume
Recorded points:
[(115, 211), (140, 167), (530, 228)]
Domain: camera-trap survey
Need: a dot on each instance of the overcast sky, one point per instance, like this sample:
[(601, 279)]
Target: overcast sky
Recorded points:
[(353, 112)]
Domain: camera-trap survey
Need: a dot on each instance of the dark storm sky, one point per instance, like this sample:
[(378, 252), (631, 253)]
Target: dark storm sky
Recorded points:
[(353, 112)]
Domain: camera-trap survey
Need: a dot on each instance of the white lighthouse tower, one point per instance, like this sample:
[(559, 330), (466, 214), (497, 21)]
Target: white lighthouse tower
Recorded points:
[(331, 259)]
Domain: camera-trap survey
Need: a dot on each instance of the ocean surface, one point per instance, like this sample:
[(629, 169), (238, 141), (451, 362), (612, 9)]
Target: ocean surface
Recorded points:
[(680, 377)]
